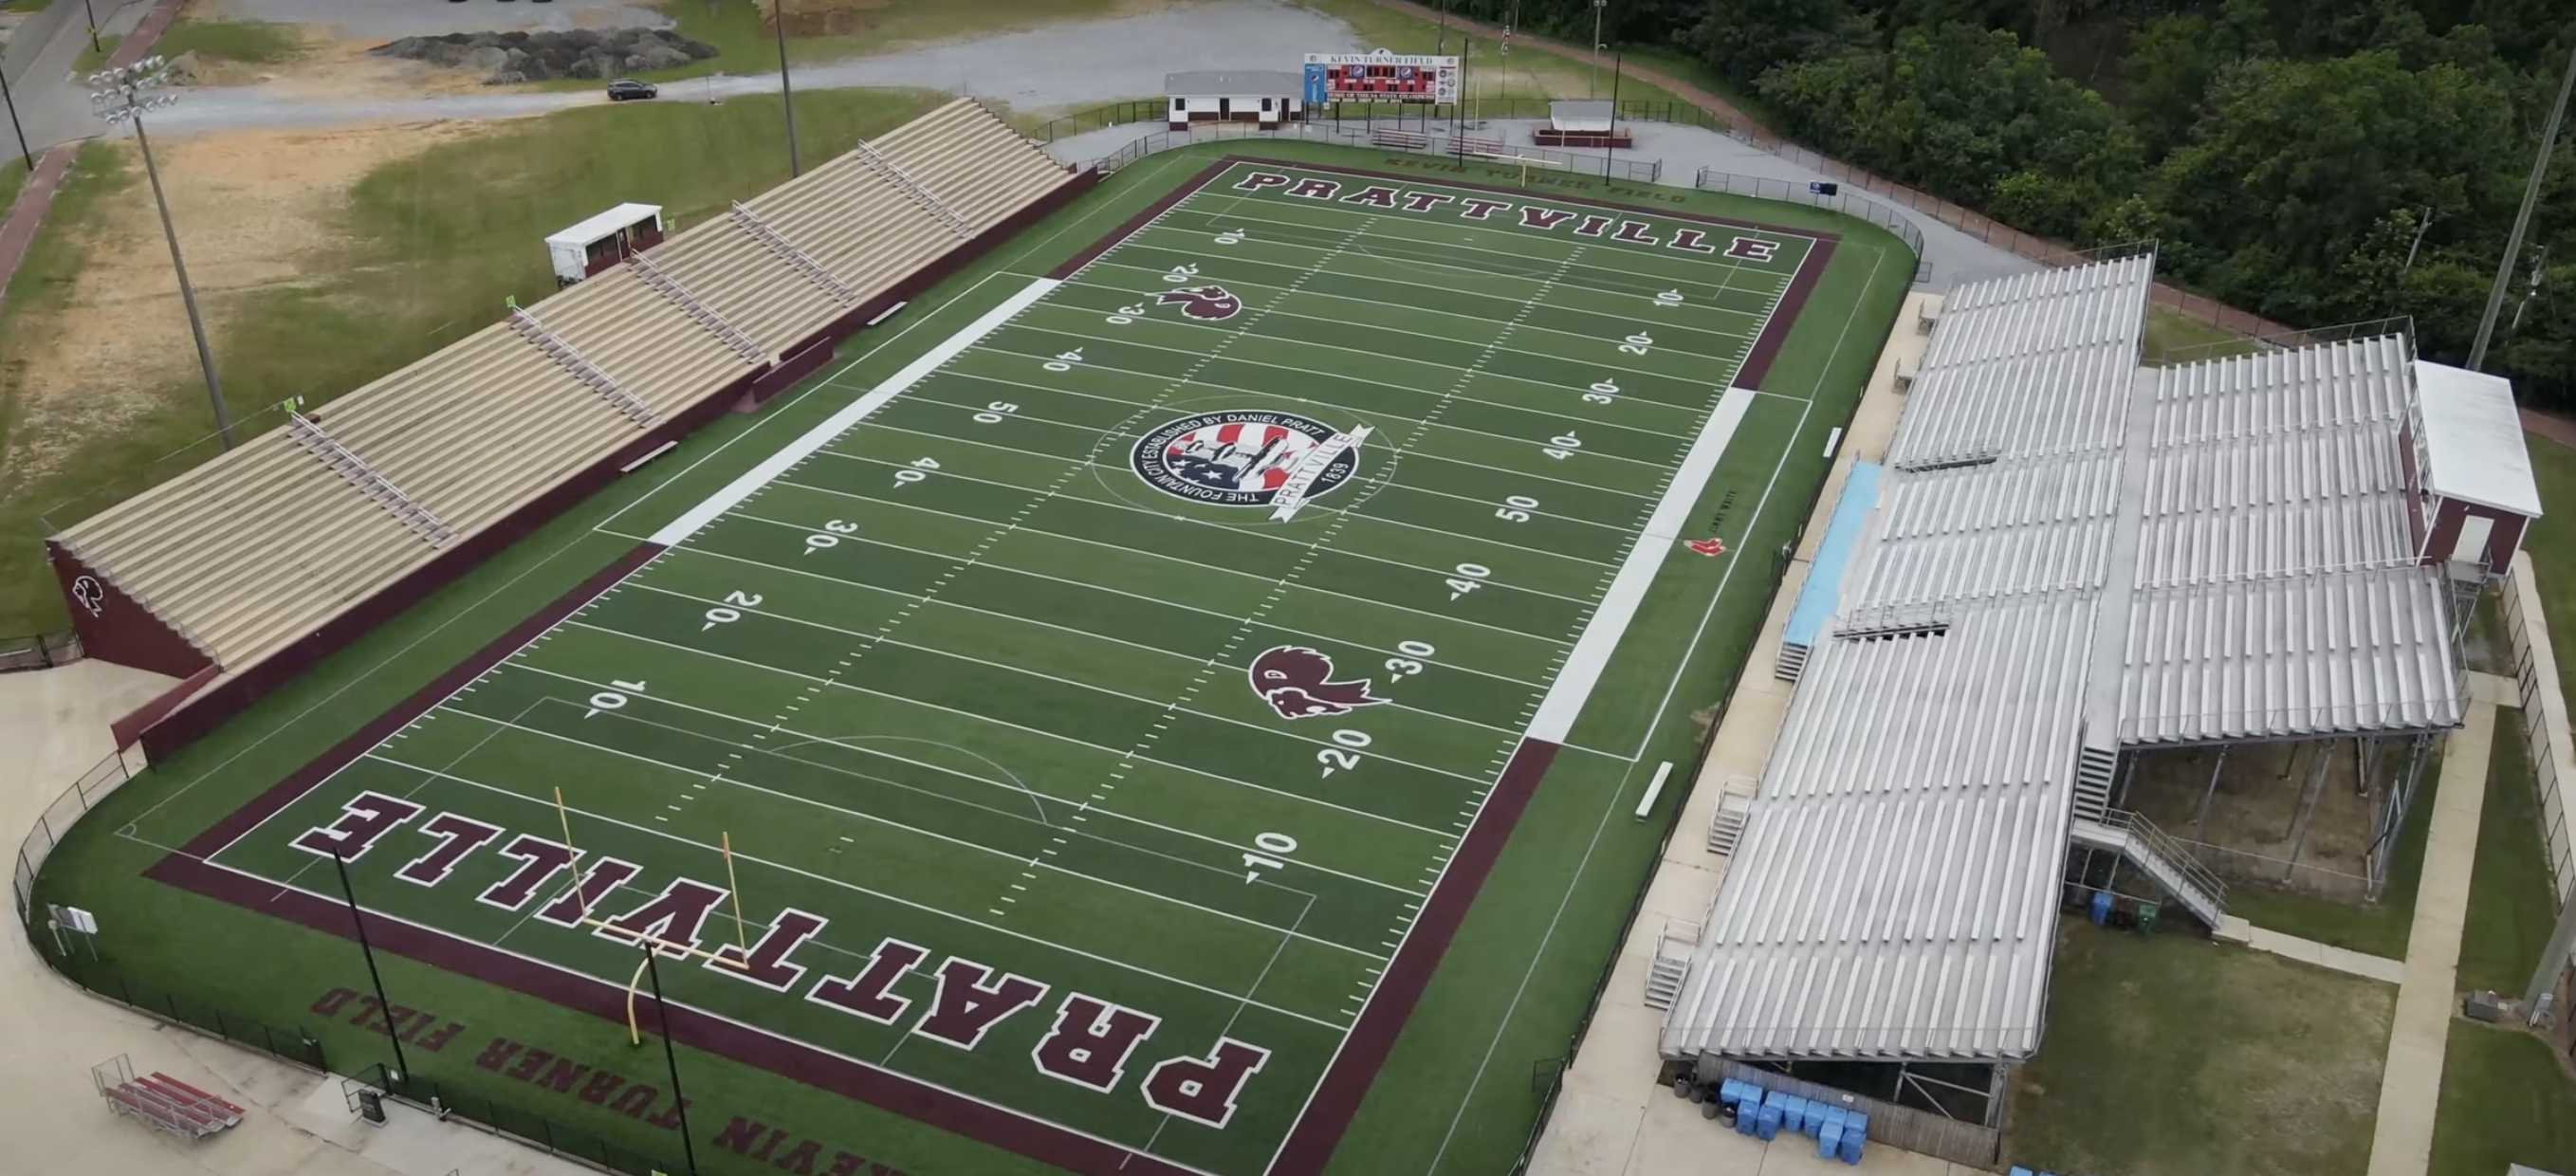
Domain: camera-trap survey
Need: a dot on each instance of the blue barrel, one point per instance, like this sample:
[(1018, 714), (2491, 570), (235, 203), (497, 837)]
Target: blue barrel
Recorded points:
[(2101, 908)]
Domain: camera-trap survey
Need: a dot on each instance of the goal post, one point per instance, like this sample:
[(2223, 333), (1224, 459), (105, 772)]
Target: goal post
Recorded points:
[(654, 943)]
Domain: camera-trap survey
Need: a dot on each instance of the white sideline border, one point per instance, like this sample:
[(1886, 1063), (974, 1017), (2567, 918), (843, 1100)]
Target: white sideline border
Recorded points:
[(679, 529), (1600, 639)]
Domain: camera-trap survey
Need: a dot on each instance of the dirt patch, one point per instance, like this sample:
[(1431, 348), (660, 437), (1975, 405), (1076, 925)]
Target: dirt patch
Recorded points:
[(2271, 808), (256, 213)]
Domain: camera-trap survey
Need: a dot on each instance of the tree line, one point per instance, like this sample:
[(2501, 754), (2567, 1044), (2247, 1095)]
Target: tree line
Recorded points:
[(2313, 161)]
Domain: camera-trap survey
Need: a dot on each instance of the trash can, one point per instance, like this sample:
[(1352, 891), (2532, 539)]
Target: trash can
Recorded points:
[(2146, 917)]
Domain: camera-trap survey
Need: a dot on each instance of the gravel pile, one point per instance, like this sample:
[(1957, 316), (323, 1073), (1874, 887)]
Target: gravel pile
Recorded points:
[(505, 58)]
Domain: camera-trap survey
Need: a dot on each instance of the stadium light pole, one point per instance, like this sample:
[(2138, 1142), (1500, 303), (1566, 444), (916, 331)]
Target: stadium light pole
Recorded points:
[(671, 1057), (1592, 88), (786, 91), (1610, 143), (384, 1008), (11, 101), (2522, 219), (126, 95)]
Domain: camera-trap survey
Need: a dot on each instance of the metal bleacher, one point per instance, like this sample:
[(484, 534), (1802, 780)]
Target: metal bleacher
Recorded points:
[(262, 546), (162, 1102)]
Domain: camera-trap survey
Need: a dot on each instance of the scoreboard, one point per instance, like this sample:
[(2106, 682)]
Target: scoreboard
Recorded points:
[(1380, 77)]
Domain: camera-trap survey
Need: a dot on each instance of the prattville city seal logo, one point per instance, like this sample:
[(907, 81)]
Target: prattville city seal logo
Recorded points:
[(1203, 302), (1246, 458), (1298, 683)]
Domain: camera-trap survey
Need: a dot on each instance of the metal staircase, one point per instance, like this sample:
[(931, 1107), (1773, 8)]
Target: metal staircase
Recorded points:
[(1727, 822), (797, 259), (2094, 770), (557, 349), (1671, 964), (2160, 856), (692, 306), (1792, 662), (363, 476), (920, 192)]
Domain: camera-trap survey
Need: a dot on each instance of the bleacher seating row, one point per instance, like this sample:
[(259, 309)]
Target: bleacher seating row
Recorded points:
[(257, 550), (170, 1105), (1839, 1132)]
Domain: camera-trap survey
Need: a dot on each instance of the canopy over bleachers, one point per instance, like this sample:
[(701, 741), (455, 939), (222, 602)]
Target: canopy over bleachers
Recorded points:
[(259, 549)]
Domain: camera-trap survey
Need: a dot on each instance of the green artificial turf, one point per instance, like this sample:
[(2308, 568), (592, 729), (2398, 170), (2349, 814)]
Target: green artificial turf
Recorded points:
[(896, 692)]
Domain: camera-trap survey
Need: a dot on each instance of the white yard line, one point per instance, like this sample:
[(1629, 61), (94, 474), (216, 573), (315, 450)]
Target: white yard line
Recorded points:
[(679, 529)]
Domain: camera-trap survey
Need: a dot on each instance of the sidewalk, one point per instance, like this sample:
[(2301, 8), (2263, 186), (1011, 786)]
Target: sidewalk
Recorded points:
[(2410, 1083), (24, 216), (54, 725), (1611, 1119)]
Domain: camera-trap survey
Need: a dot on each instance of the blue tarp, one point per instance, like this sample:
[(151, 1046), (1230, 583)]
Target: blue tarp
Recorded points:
[(1824, 584)]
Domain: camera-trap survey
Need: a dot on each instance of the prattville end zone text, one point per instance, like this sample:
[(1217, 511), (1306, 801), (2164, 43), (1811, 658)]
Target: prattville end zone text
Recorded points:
[(1625, 230), (602, 1087), (1089, 1044)]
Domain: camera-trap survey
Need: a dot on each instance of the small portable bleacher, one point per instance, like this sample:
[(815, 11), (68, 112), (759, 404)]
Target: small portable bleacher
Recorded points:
[(161, 1101), (1405, 140)]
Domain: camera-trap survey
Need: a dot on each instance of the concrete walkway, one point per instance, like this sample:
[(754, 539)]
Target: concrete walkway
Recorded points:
[(53, 724), (1611, 1119), (2410, 1084), (2234, 929)]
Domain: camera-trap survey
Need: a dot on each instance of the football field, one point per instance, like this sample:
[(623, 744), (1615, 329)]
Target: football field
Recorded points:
[(1111, 715)]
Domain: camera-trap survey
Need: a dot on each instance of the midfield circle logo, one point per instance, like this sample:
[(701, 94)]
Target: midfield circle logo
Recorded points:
[(1245, 458)]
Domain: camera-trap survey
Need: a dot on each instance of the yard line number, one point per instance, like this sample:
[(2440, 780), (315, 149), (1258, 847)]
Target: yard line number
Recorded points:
[(1279, 844), (1470, 577), (731, 610), (829, 536), (609, 700)]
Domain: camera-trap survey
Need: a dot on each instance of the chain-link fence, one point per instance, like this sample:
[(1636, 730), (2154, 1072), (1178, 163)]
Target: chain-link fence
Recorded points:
[(40, 652), (1858, 207), (1388, 138), (55, 823)]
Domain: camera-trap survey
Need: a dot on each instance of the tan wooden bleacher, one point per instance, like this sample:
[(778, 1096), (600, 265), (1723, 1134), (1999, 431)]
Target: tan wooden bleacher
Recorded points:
[(857, 224), (237, 553), (251, 551)]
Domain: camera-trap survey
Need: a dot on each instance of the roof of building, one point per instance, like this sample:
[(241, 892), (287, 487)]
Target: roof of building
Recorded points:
[(2473, 440), (1579, 114), (596, 227), (2069, 554), (1216, 83), (1895, 893)]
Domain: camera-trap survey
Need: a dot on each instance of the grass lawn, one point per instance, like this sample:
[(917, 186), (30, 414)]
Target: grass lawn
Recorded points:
[(2552, 544), (445, 236), (734, 28), (2168, 1055), (13, 176), (2171, 330), (2380, 928), (2504, 1101), (90, 59), (250, 41), (1512, 982), (2512, 905)]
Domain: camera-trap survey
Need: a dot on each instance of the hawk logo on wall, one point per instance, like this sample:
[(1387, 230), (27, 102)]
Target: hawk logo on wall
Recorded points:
[(91, 594), (1203, 302), (1298, 683)]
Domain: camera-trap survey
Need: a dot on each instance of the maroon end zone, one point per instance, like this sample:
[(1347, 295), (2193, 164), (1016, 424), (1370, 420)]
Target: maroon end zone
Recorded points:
[(1337, 1096)]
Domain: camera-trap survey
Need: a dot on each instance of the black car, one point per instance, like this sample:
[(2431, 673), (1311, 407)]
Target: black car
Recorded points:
[(625, 88)]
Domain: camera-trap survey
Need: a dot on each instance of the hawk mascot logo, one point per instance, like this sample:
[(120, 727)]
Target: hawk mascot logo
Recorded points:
[(1203, 302), (1298, 683)]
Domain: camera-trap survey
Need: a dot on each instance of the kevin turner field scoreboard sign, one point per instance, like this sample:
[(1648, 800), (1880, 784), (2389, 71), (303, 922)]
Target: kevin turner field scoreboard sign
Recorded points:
[(1380, 77)]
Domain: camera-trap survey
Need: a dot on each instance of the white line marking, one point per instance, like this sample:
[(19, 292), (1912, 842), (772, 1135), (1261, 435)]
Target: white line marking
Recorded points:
[(851, 414), (1600, 639)]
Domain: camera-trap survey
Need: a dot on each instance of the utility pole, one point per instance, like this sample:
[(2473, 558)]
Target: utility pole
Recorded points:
[(1610, 145), (126, 95), (12, 103), (1592, 88), (384, 1007), (670, 1057), (786, 92), (2522, 220), (92, 14)]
